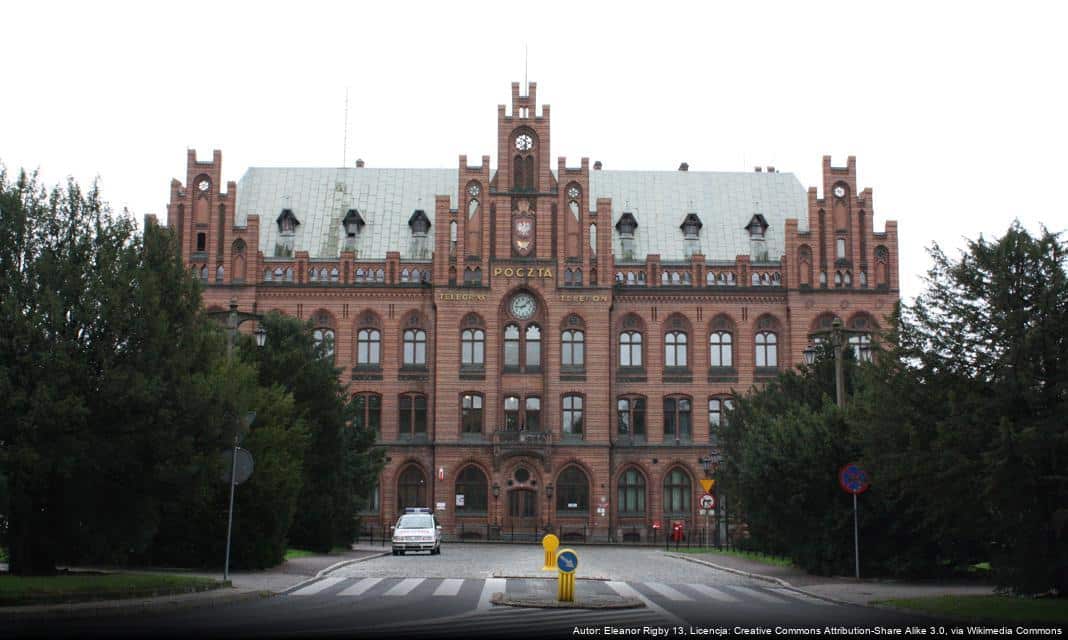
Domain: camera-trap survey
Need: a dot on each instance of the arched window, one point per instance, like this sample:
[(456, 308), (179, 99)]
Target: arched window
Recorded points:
[(631, 493), (411, 489), (767, 350), (532, 419), (511, 413), (324, 342), (533, 347), (861, 345), (511, 346), (717, 416), (630, 416), (414, 348), (289, 274), (677, 492), (571, 425), (313, 275), (678, 418), (675, 349), (630, 349), (471, 413), (720, 350), (266, 275), (572, 491), (471, 484), (755, 279), (367, 412), (369, 348), (573, 349), (452, 238), (412, 414), (219, 273), (473, 348)]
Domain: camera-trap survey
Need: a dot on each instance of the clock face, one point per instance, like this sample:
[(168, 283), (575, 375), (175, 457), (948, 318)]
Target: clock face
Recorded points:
[(523, 306), (573, 193), (524, 142), (839, 191), (474, 190), (203, 185)]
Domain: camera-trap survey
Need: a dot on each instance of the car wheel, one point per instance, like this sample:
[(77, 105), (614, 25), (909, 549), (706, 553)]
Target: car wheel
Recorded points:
[(396, 553), (401, 552)]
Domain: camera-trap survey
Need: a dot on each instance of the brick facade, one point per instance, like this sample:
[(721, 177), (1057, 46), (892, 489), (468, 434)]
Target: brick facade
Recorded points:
[(649, 296)]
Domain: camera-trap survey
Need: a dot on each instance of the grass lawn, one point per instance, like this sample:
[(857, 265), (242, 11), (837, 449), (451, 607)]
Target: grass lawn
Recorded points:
[(748, 555), (304, 553), (19, 590), (991, 608)]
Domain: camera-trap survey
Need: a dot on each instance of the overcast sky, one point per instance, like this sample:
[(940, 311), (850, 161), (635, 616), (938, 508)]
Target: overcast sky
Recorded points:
[(956, 112)]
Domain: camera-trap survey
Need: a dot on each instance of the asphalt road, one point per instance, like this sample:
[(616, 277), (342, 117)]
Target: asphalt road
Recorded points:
[(449, 596)]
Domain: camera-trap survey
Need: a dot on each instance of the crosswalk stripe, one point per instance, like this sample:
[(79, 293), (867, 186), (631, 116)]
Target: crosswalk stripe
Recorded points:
[(360, 587), (449, 587), (316, 587), (668, 592), (759, 595), (713, 593), (627, 591), (492, 585), (405, 586), (803, 597)]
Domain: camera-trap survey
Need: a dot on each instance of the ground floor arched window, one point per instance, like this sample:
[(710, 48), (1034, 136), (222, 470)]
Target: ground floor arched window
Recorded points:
[(677, 492), (471, 492), (572, 492), (411, 489)]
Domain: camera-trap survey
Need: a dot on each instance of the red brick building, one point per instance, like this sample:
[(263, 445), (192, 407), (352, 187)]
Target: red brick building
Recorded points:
[(538, 344)]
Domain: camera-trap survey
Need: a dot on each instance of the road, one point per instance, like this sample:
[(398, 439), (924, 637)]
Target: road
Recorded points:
[(449, 596)]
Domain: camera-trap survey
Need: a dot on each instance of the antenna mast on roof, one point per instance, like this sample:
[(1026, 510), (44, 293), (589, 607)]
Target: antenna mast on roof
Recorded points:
[(526, 59), (345, 143)]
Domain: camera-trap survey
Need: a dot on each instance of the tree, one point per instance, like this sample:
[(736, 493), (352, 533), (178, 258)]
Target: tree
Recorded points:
[(111, 386), (339, 464)]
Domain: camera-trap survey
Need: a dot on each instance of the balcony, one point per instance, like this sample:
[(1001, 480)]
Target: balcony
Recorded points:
[(511, 442)]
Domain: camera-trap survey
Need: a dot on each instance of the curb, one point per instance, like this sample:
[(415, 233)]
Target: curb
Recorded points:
[(535, 603), (133, 606), (333, 567)]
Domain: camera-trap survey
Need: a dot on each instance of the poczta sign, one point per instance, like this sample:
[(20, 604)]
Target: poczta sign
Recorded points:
[(523, 272)]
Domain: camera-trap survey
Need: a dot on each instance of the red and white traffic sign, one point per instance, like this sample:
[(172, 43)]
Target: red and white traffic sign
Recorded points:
[(708, 501)]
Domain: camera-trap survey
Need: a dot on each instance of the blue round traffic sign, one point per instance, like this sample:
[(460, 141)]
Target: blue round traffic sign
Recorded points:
[(567, 561), (853, 479)]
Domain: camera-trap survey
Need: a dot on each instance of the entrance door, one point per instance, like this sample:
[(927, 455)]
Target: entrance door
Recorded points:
[(522, 510)]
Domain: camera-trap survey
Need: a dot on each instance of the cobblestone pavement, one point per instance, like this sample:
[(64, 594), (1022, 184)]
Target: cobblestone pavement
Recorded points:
[(464, 560)]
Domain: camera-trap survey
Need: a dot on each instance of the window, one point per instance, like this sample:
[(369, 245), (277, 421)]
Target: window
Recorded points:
[(573, 352), (471, 484), (677, 492), (630, 416), (677, 419), (414, 348), (412, 415), (511, 413), (572, 422), (202, 242), (767, 354), (719, 347), (861, 345), (631, 493), (675, 349), (324, 341), (630, 349), (411, 489), (717, 416), (371, 503), (839, 246), (471, 413), (472, 347), (533, 347), (367, 412), (533, 414), (572, 491), (511, 346), (368, 348)]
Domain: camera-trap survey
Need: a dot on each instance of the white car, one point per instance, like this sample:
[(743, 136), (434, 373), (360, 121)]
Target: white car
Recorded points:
[(417, 530)]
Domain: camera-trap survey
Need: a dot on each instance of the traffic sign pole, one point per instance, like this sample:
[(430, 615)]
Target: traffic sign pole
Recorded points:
[(856, 536), (230, 513)]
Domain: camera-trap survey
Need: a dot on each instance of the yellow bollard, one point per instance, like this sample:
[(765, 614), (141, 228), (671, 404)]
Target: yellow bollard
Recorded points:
[(566, 562), (550, 543)]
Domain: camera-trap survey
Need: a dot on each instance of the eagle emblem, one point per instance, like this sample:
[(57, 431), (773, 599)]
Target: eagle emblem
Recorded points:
[(524, 234)]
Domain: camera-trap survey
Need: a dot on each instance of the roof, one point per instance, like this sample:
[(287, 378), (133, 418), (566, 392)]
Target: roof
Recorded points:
[(386, 199)]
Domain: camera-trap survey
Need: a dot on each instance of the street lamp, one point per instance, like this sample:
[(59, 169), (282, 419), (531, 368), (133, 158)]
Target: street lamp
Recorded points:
[(234, 319), (838, 344), (261, 336)]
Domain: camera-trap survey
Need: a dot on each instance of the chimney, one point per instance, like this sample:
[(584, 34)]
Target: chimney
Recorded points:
[(359, 163), (597, 165), (684, 167), (757, 169), (771, 169)]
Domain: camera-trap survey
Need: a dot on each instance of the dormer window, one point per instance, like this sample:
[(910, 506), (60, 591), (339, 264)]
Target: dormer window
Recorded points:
[(419, 223), (287, 222), (756, 227), (691, 228), (353, 222), (626, 226)]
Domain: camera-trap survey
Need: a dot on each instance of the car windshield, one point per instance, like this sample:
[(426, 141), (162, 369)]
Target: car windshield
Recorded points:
[(416, 522)]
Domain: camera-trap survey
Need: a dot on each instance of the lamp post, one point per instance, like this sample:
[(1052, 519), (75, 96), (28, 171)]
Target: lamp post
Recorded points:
[(837, 337), (710, 463)]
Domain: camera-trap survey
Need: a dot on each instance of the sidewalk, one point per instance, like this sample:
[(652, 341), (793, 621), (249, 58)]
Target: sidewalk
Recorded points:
[(245, 585), (836, 589)]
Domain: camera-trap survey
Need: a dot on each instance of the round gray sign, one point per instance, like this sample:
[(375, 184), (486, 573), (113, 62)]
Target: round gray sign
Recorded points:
[(244, 465)]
